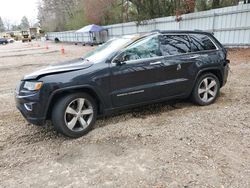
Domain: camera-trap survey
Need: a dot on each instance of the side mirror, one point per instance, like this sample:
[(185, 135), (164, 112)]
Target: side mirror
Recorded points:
[(119, 61)]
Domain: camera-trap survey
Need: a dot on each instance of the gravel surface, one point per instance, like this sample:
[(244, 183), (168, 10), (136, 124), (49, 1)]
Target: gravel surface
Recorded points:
[(173, 144)]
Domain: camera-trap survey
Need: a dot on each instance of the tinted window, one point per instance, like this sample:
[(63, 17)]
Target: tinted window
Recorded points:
[(145, 48), (174, 44), (105, 50), (201, 42)]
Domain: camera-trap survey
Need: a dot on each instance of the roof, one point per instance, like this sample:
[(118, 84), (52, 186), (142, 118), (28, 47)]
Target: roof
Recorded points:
[(183, 31), (91, 28)]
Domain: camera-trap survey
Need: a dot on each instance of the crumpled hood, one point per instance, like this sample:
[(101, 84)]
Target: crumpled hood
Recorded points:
[(66, 66)]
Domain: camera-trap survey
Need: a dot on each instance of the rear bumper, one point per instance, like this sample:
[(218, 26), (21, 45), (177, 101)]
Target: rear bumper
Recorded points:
[(225, 73)]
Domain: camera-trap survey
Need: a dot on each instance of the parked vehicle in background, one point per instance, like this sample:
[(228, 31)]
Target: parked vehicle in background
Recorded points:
[(3, 41), (10, 40), (124, 72), (26, 36)]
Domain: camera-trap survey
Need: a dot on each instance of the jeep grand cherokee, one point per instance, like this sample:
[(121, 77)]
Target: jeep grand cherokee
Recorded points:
[(124, 72)]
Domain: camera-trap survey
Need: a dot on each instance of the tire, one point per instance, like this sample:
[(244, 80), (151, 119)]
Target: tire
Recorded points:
[(69, 120), (206, 89), (57, 40)]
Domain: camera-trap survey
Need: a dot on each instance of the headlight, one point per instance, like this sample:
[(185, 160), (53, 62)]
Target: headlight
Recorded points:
[(32, 86)]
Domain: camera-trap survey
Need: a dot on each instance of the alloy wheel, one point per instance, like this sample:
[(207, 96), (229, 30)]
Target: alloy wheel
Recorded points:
[(207, 89), (78, 114)]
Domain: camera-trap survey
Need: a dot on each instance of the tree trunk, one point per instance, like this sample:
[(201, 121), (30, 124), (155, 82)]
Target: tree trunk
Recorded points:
[(215, 3)]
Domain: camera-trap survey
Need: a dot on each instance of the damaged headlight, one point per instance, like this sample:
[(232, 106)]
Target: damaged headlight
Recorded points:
[(32, 86)]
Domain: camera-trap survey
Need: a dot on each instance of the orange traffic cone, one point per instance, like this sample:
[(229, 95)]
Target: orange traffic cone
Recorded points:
[(47, 46), (62, 50)]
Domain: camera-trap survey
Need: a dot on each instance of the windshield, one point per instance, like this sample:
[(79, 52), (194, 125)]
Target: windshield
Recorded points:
[(107, 49)]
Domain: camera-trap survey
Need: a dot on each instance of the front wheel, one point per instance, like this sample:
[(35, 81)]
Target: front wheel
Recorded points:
[(206, 89), (74, 115)]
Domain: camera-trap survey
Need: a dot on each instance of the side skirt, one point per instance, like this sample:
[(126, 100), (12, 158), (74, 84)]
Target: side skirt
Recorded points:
[(110, 111)]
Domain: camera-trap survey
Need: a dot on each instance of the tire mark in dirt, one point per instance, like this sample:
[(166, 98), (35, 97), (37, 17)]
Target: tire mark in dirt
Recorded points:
[(21, 50), (4, 68), (7, 91), (21, 55)]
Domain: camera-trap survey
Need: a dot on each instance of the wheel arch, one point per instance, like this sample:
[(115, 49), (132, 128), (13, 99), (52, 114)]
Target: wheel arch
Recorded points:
[(61, 93), (57, 39), (214, 71)]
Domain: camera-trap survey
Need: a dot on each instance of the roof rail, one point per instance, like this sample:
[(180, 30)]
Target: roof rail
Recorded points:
[(198, 30), (156, 31)]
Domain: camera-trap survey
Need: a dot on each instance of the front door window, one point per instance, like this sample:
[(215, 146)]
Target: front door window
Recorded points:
[(142, 49)]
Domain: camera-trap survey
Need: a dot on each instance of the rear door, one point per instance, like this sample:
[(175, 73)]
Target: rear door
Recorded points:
[(205, 48), (179, 64)]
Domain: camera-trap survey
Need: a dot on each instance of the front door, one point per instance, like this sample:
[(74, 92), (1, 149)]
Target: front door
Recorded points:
[(134, 79)]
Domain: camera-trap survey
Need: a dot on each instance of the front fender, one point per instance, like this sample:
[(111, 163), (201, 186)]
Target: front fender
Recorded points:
[(61, 91)]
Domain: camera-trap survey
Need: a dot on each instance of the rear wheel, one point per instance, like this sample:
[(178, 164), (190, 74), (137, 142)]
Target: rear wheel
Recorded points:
[(206, 89), (74, 115)]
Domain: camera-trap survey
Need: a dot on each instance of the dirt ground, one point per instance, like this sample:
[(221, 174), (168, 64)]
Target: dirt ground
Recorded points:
[(163, 145)]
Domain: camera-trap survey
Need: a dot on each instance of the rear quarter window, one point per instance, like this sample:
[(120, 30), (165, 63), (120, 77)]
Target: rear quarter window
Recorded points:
[(174, 44), (201, 42)]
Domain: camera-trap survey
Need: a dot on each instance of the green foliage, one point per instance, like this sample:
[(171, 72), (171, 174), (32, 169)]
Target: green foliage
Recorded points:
[(202, 5), (24, 23), (16, 27), (58, 15), (228, 3), (76, 21)]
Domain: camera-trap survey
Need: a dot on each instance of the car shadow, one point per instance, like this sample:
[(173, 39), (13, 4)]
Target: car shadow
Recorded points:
[(143, 112)]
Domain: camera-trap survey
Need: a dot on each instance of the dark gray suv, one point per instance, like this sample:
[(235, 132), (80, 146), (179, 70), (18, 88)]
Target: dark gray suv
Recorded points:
[(124, 72)]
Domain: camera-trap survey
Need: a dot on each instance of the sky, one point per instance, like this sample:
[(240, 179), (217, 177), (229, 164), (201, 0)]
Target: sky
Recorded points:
[(14, 10)]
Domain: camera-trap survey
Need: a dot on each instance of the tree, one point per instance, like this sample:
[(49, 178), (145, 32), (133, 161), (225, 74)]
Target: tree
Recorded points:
[(24, 23), (1, 25), (201, 5), (215, 3), (59, 15), (15, 27), (7, 24), (97, 11)]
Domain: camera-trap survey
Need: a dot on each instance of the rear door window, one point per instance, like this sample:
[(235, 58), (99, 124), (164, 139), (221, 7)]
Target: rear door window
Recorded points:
[(174, 44), (201, 42)]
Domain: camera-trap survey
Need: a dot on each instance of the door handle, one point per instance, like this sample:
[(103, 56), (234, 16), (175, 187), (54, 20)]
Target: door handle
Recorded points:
[(193, 57), (178, 67), (155, 63)]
